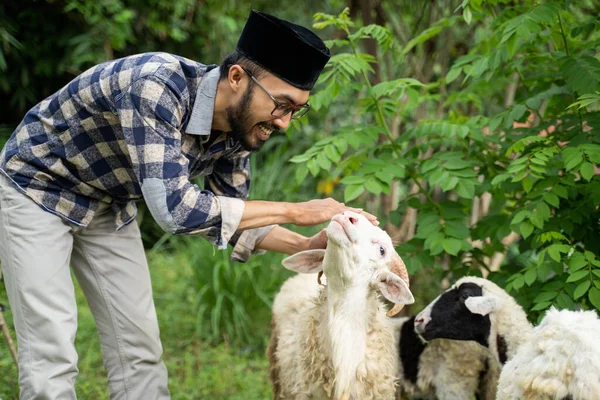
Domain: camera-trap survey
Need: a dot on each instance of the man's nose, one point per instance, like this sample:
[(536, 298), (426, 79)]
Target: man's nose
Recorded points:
[(282, 123)]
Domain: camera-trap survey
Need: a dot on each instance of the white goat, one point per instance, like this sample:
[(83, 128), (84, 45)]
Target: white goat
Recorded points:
[(477, 309), (562, 361), (336, 342)]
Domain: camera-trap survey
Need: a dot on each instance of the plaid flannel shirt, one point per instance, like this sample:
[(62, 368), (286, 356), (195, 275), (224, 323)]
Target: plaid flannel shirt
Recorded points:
[(135, 128)]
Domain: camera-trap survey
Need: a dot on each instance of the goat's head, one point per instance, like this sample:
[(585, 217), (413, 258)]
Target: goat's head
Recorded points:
[(462, 312), (358, 253)]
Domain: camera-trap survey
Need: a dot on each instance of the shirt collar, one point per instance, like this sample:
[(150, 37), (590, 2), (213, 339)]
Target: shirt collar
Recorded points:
[(200, 122)]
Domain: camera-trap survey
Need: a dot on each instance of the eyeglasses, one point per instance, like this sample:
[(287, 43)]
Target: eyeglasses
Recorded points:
[(281, 109)]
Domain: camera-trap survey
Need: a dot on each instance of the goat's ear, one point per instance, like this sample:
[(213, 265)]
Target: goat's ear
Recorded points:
[(306, 262), (482, 305), (392, 287)]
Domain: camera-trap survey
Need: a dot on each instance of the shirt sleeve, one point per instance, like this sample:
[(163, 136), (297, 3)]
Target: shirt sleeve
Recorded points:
[(231, 179), (151, 112)]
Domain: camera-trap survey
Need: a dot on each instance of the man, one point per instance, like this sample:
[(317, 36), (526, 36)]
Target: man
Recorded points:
[(131, 129)]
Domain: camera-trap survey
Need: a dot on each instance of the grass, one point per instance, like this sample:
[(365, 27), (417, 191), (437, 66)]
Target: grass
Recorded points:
[(196, 369)]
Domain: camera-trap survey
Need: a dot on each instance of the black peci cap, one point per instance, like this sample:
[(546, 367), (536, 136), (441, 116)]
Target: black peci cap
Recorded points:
[(289, 51)]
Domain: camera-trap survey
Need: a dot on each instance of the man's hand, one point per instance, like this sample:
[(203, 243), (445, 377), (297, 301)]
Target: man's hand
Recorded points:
[(318, 241), (315, 212), (259, 213)]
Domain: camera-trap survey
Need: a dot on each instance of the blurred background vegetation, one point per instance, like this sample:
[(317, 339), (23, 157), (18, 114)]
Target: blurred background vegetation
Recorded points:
[(470, 127)]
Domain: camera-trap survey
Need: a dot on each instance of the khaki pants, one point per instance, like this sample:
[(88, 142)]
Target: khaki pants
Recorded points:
[(36, 249)]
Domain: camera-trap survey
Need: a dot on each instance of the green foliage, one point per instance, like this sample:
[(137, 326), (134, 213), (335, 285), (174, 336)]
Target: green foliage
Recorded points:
[(537, 156)]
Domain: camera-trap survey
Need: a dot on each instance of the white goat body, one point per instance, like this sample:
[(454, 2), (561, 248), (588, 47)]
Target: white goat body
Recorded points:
[(335, 342), (562, 360)]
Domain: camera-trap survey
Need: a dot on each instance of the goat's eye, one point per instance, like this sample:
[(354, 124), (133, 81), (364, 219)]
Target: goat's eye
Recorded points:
[(381, 250), (464, 296)]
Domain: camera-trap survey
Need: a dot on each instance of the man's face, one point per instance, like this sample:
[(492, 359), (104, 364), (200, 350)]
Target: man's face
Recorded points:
[(250, 118)]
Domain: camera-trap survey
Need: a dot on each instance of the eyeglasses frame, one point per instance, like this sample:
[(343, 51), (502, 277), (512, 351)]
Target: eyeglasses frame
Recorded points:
[(297, 111)]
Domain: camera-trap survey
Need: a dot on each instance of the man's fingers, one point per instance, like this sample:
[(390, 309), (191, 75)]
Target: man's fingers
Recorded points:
[(370, 217)]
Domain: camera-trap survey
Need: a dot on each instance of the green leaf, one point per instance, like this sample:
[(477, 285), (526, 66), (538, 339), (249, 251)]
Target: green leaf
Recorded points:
[(533, 103), (592, 151), (424, 231), (594, 296), (576, 276), (527, 184), (323, 161), (352, 192), (520, 216), (536, 220), (543, 210), (552, 199), (451, 245), (332, 153), (465, 189), (561, 191), (585, 101), (453, 74), (543, 270), (301, 173), (313, 167), (517, 112), (449, 184), (572, 157), (456, 229), (590, 256), (545, 296), (577, 261), (301, 157), (437, 176), (499, 179), (425, 35), (554, 253), (456, 163), (467, 15), (582, 289), (564, 301), (587, 170), (518, 282), (541, 306), (526, 228), (373, 186), (512, 44), (353, 180), (582, 73), (495, 123), (530, 276)]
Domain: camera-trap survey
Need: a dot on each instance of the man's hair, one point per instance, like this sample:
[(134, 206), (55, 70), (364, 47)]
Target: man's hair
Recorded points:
[(235, 57)]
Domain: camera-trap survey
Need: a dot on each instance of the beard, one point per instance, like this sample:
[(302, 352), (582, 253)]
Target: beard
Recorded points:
[(239, 118)]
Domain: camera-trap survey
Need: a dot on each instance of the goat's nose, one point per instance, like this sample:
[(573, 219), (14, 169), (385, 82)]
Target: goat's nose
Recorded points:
[(420, 323), (353, 219)]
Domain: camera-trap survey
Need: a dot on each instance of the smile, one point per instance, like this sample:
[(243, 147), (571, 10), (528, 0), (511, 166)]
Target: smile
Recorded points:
[(265, 130)]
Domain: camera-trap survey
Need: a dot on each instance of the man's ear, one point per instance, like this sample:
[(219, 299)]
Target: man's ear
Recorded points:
[(305, 262), (482, 305), (235, 76)]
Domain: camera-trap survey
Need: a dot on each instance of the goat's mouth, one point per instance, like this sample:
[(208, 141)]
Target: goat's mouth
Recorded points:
[(424, 332), (340, 233)]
